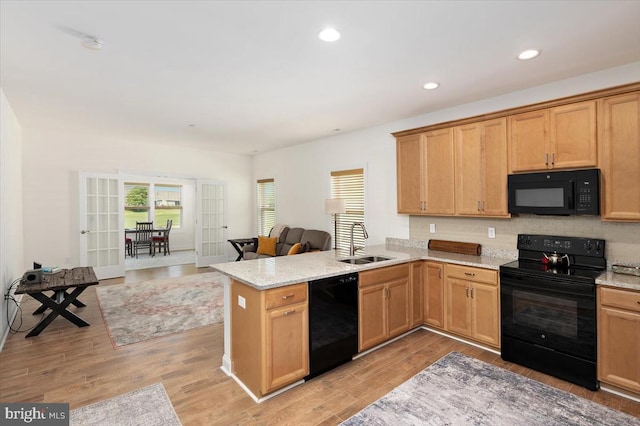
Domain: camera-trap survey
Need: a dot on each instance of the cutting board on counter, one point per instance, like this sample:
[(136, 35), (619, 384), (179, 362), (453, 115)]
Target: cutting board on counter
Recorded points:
[(455, 247)]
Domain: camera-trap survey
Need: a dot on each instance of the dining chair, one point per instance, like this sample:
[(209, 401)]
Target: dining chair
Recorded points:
[(144, 234), (128, 247), (162, 241)]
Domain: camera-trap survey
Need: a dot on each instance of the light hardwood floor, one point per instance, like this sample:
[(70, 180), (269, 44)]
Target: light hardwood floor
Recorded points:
[(79, 366)]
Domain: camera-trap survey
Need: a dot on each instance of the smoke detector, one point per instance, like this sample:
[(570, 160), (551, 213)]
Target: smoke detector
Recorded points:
[(90, 42)]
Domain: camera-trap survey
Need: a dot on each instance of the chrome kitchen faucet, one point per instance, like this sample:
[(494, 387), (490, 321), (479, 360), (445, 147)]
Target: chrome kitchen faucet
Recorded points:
[(352, 247)]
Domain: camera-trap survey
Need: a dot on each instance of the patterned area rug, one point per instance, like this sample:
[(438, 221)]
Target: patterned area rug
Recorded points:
[(459, 390), (146, 310), (148, 406)]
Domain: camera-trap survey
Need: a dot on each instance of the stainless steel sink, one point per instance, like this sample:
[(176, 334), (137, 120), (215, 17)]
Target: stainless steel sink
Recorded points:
[(364, 260), (375, 258)]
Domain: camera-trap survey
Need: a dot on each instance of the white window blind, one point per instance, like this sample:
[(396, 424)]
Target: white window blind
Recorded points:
[(266, 205), (349, 185)]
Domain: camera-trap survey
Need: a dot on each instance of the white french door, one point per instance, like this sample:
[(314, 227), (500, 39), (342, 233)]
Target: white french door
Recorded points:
[(211, 228), (102, 224)]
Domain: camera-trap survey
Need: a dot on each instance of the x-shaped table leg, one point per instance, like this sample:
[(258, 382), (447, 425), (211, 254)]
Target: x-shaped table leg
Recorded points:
[(53, 297), (58, 305)]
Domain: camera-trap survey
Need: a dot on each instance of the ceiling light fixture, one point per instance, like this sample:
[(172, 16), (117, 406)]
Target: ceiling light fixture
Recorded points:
[(90, 42), (528, 54), (431, 85), (329, 35)]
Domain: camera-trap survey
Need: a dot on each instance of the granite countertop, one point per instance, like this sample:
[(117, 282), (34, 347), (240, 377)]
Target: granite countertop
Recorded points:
[(612, 279), (285, 270)]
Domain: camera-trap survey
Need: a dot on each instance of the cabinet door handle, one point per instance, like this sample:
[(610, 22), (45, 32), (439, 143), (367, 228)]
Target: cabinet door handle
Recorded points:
[(287, 296), (472, 292), (293, 311), (553, 158), (483, 206), (546, 159), (478, 205), (470, 274), (467, 291), (440, 275)]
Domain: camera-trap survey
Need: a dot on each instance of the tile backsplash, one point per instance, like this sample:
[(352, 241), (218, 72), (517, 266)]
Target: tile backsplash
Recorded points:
[(622, 239)]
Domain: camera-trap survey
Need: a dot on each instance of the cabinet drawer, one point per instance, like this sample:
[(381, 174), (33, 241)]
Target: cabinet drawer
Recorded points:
[(384, 275), (620, 298), (283, 296), (471, 274)]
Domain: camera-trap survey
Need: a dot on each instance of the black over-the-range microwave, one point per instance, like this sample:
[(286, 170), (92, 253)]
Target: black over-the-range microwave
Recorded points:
[(575, 192)]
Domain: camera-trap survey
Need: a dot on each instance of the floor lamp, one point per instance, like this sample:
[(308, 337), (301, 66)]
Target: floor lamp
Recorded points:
[(335, 206)]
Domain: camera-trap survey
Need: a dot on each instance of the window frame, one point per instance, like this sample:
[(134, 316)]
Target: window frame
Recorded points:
[(350, 186), (151, 207), (265, 211)]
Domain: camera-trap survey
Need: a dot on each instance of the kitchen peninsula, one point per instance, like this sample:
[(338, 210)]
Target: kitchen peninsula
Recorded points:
[(253, 289), (266, 305)]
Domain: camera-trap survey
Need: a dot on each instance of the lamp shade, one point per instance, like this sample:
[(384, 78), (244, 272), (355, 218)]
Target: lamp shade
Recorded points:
[(335, 205)]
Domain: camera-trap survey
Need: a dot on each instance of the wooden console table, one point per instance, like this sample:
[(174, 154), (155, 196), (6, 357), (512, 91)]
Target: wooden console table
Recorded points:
[(238, 243), (59, 282)]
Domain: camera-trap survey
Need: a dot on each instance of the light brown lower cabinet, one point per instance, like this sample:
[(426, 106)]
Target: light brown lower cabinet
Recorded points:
[(472, 303), (619, 338), (417, 291), (383, 304), (270, 336), (433, 282)]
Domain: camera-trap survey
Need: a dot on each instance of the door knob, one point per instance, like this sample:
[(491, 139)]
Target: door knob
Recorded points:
[(84, 231)]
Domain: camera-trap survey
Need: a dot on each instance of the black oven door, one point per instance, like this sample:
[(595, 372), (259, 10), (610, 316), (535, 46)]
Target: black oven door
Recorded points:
[(549, 311), (553, 197)]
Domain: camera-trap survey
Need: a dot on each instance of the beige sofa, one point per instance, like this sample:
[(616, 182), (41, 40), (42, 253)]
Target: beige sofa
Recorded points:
[(310, 239)]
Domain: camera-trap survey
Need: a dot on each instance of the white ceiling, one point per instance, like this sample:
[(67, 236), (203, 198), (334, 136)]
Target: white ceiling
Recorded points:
[(253, 76)]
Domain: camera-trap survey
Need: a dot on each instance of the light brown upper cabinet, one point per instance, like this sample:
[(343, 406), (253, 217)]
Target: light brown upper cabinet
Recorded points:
[(410, 176), (561, 137), (619, 147), (481, 168), (425, 167)]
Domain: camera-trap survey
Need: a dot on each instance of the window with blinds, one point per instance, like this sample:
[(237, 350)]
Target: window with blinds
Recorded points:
[(349, 185), (266, 205)]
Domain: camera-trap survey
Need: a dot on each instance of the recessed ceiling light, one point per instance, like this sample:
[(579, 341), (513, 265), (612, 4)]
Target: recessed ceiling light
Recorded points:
[(528, 54), (431, 85), (90, 42), (329, 35)]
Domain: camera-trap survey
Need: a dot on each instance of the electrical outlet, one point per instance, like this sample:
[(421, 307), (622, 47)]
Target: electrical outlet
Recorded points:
[(432, 228), (242, 302), (492, 232)]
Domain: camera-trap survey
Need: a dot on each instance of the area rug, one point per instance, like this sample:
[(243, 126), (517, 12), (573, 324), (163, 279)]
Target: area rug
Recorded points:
[(141, 311), (148, 406), (459, 390)]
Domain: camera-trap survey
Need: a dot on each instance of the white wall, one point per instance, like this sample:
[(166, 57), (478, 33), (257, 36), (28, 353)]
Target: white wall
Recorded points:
[(12, 265), (53, 160), (302, 172)]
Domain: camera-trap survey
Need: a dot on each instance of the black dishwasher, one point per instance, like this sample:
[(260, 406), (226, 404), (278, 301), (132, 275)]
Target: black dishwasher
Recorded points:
[(333, 322)]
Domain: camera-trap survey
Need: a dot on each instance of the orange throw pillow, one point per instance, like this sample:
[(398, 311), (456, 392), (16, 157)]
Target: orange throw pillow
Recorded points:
[(295, 249), (267, 245)]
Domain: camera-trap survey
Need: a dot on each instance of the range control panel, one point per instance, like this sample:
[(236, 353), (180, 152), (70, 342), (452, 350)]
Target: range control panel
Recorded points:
[(564, 245)]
